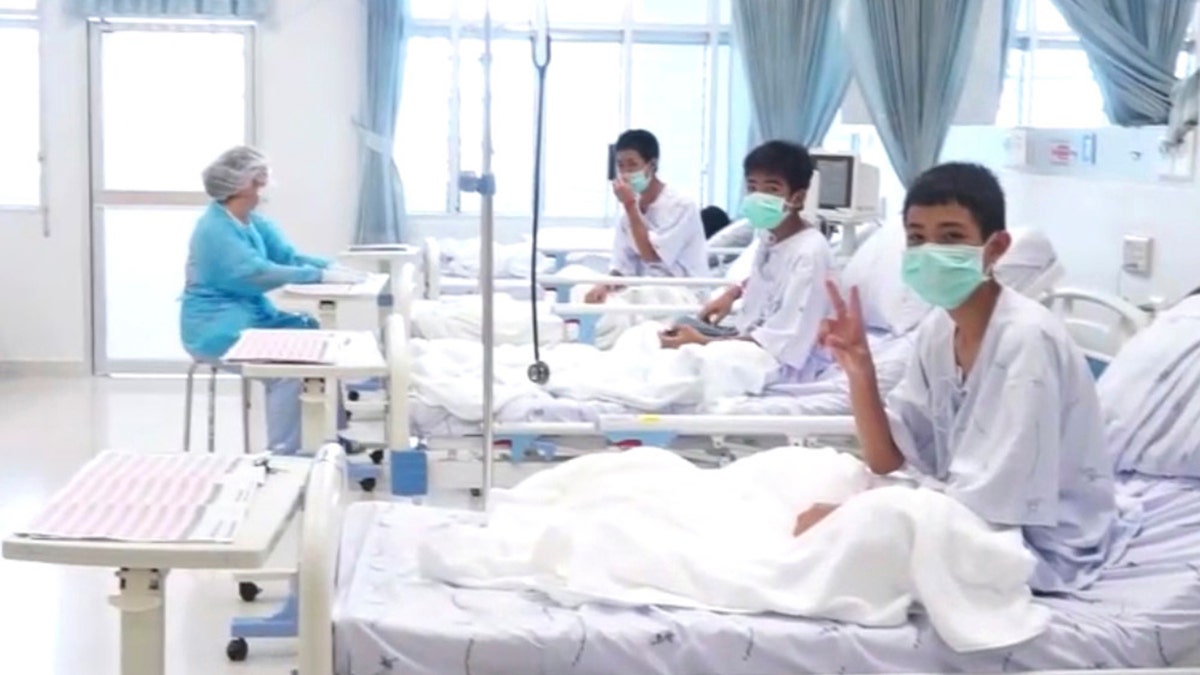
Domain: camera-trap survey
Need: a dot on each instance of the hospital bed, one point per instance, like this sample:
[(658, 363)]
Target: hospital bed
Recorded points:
[(359, 576), (536, 425)]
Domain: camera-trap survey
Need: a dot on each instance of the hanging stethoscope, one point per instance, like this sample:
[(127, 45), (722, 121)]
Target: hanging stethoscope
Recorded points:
[(539, 372)]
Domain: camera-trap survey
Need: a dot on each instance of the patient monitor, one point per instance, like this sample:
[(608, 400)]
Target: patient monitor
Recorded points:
[(849, 188)]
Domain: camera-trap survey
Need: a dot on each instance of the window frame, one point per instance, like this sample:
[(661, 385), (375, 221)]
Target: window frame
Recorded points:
[(710, 36), (32, 19), (1030, 40), (101, 198)]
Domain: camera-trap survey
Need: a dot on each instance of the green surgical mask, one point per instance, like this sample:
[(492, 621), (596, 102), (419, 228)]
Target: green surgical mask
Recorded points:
[(638, 180), (944, 275), (764, 211)]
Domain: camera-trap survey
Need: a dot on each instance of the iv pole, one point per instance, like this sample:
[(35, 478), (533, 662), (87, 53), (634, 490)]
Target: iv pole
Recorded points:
[(487, 189)]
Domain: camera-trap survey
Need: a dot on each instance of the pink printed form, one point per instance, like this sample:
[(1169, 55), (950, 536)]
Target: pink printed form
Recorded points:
[(133, 497)]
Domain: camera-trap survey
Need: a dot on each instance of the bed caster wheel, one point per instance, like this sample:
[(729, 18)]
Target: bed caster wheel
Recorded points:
[(476, 493), (353, 395), (376, 457), (248, 591), (237, 650), (367, 484), (350, 447), (349, 415)]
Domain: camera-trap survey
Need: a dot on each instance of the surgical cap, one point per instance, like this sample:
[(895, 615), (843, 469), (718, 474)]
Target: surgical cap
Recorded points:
[(1030, 259), (234, 171)]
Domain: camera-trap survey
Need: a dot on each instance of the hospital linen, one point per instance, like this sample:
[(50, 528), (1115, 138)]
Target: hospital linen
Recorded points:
[(645, 527), (1019, 441)]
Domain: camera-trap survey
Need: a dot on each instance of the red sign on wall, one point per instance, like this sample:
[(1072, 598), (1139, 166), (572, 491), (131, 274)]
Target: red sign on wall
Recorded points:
[(1061, 153)]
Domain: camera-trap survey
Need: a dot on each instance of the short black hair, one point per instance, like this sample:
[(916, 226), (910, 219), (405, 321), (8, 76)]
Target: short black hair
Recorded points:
[(972, 186), (789, 161), (714, 219), (640, 141)]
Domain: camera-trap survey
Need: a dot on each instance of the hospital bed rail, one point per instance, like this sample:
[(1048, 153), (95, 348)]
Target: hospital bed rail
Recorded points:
[(1098, 337)]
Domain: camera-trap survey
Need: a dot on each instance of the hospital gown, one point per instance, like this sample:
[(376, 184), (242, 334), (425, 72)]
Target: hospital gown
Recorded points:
[(1020, 441), (784, 301), (230, 267), (677, 235)]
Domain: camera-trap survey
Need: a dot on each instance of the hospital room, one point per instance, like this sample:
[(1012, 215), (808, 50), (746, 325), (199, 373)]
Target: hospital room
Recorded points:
[(580, 337)]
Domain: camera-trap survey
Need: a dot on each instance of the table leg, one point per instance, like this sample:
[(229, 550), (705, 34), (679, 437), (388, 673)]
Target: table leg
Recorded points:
[(327, 314), (313, 424), (141, 601)]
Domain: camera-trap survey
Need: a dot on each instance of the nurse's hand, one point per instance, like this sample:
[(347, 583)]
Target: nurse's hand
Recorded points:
[(596, 295), (624, 193), (845, 335), (813, 515)]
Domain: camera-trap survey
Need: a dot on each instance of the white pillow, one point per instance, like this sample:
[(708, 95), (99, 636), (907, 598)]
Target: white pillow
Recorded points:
[(887, 302)]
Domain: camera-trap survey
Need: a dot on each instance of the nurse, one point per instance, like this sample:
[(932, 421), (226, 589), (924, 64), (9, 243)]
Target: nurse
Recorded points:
[(998, 403), (234, 258), (660, 233), (783, 300)]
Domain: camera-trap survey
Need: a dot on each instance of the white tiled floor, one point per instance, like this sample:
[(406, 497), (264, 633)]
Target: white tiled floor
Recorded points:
[(56, 620)]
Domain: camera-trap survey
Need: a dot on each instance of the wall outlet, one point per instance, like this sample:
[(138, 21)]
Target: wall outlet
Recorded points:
[(1136, 255)]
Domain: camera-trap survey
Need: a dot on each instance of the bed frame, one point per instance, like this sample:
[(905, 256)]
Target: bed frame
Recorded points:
[(326, 498), (1102, 331), (457, 461)]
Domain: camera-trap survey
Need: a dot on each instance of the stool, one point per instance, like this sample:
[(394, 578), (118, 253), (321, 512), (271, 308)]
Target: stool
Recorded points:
[(212, 407)]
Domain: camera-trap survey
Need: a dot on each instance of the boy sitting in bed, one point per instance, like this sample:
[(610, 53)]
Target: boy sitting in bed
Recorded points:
[(783, 301), (997, 403)]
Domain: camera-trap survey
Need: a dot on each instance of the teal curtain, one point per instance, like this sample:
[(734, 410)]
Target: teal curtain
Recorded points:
[(381, 195), (795, 63), (910, 60), (217, 9), (1008, 18), (1132, 46)]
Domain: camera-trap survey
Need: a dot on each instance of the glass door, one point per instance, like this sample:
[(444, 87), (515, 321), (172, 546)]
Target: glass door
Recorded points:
[(166, 99)]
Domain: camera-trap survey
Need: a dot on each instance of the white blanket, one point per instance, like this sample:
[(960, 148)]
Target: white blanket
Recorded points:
[(460, 258), (645, 527), (461, 316), (636, 373)]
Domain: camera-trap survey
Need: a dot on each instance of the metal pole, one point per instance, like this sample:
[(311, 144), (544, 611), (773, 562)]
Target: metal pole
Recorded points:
[(486, 236)]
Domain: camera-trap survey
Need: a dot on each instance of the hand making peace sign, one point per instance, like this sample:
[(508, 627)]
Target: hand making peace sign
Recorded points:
[(844, 335)]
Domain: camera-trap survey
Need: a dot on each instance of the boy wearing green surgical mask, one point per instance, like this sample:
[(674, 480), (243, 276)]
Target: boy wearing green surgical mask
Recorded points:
[(998, 403), (660, 233), (783, 299)]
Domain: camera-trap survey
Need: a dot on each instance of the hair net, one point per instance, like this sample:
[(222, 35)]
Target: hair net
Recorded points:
[(1030, 265), (234, 171)]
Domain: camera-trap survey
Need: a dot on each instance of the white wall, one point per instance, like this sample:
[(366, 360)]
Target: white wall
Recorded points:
[(1086, 220), (310, 73)]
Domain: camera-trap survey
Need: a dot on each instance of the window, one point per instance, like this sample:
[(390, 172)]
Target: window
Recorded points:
[(1049, 81), (200, 84), (148, 153), (20, 124), (614, 65)]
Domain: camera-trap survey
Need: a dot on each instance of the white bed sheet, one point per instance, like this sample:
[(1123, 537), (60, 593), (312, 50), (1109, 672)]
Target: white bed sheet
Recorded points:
[(1144, 612)]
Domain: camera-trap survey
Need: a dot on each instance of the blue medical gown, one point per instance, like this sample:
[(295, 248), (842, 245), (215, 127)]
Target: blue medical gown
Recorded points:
[(230, 268)]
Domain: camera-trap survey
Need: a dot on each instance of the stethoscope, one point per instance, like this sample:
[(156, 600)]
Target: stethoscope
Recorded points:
[(538, 372)]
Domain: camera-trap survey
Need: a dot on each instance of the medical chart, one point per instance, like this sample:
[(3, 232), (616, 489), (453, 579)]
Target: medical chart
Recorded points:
[(286, 346), (147, 498)]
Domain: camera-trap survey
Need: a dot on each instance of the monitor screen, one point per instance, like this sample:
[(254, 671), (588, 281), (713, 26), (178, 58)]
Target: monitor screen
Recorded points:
[(837, 181)]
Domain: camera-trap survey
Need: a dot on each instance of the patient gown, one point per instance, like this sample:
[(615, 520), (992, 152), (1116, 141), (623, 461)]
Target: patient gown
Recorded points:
[(1020, 441), (784, 302), (676, 233)]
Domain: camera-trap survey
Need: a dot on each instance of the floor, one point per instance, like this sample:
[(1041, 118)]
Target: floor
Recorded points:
[(56, 620)]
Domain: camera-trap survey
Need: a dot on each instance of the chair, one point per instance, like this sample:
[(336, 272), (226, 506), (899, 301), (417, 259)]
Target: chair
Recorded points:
[(212, 407)]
